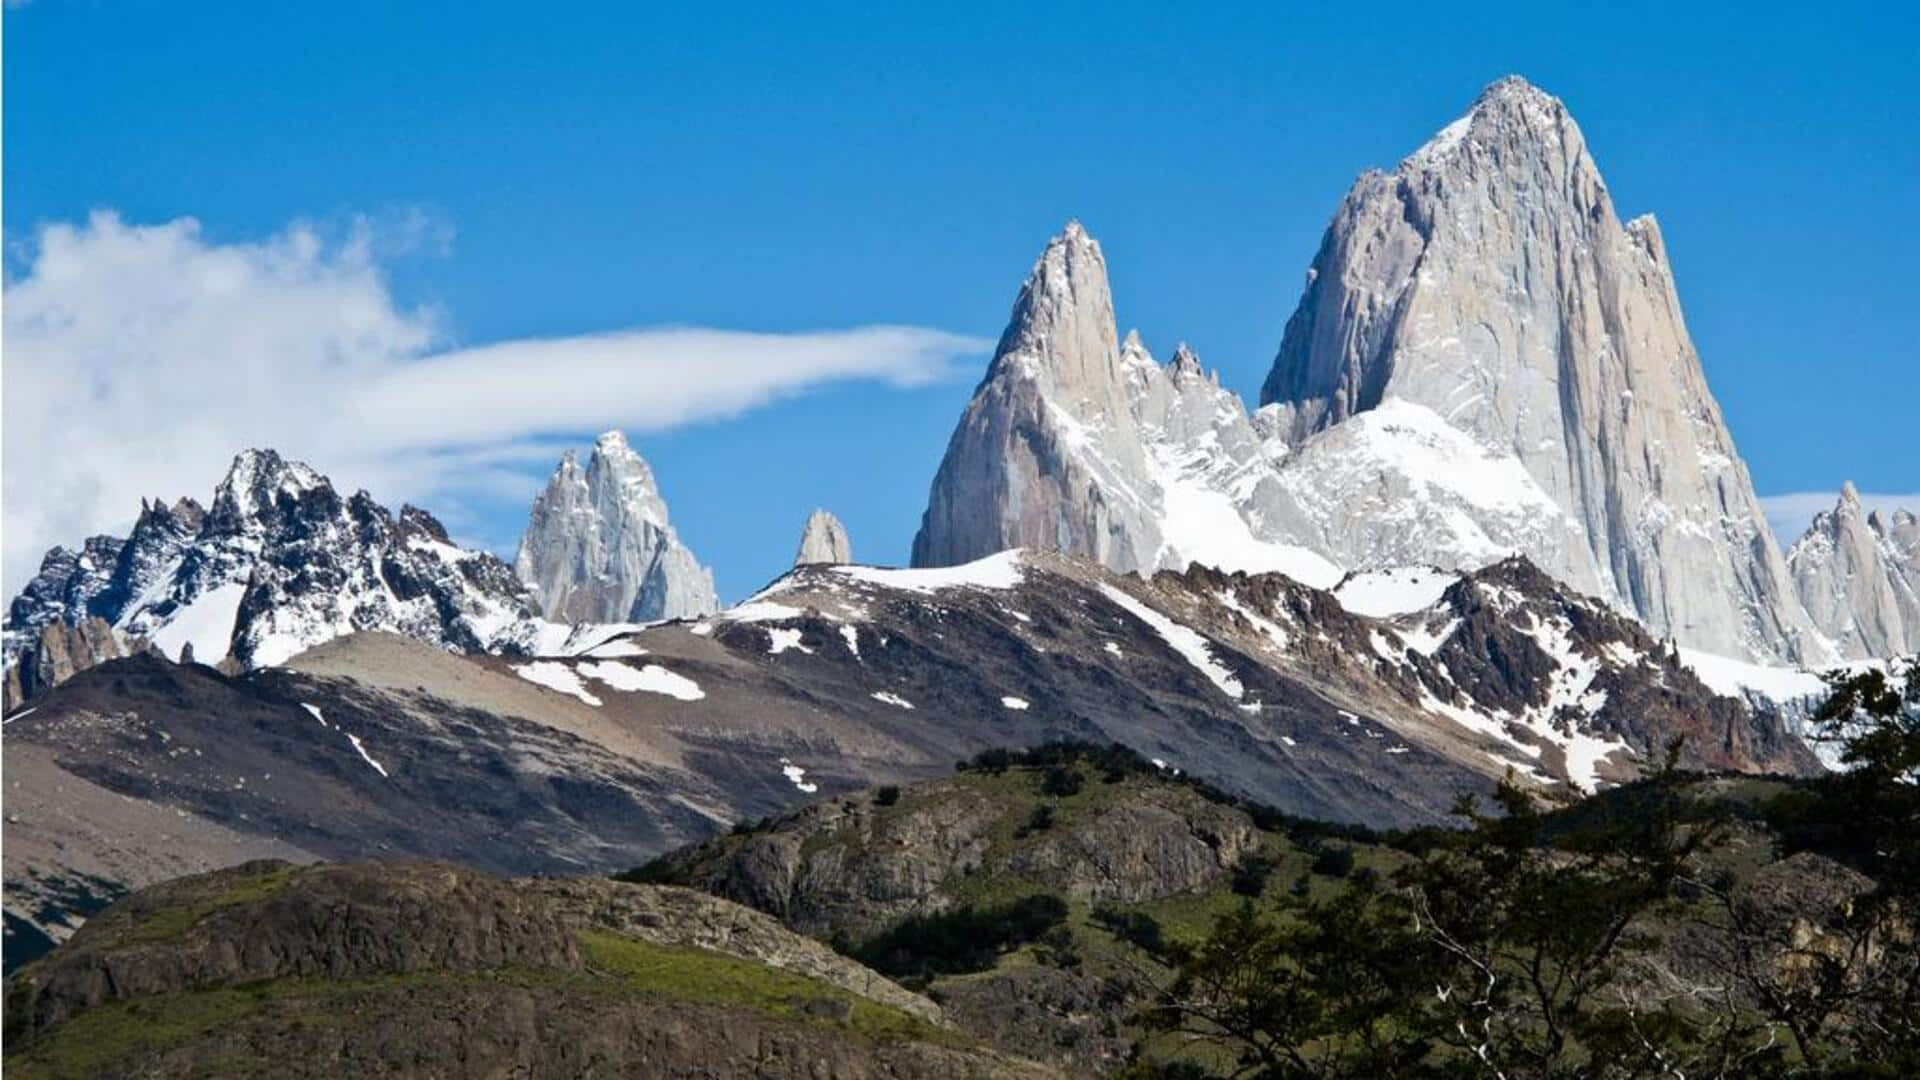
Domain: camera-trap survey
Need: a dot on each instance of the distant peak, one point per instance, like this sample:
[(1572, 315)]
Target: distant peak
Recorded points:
[(612, 442), (1515, 88), (260, 467), (1184, 361), (1510, 103), (1849, 495), (823, 540)]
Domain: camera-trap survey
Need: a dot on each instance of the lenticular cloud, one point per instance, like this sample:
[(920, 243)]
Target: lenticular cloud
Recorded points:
[(140, 358)]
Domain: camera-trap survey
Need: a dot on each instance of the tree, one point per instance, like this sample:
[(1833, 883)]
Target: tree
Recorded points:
[(1311, 988)]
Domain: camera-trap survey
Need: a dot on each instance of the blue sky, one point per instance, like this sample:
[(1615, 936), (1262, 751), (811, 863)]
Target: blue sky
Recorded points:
[(506, 172)]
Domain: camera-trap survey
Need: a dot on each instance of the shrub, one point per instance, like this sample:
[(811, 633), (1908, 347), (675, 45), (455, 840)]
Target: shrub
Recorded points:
[(965, 939), (1136, 928), (887, 795), (1061, 781), (1039, 821), (1251, 873), (1334, 861)]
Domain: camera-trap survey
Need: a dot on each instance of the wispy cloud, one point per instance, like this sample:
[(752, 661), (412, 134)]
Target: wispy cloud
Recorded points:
[(140, 358), (1791, 513)]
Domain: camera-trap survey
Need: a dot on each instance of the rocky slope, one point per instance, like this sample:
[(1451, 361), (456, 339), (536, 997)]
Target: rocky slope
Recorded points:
[(424, 969), (1485, 363), (1488, 279), (276, 563), (599, 549), (142, 769), (823, 540), (1379, 702), (1858, 574)]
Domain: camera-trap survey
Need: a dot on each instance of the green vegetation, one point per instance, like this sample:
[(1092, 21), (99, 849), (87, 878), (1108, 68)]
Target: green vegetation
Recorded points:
[(704, 977), (169, 923), (100, 1038), (1534, 944), (618, 968)]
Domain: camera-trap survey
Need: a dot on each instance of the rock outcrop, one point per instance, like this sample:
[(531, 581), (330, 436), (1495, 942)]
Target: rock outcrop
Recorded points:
[(599, 548), (1858, 574), (63, 650), (276, 563), (1488, 279), (824, 540)]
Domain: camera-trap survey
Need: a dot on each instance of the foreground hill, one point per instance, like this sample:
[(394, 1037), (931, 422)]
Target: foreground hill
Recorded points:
[(1083, 906), (424, 969)]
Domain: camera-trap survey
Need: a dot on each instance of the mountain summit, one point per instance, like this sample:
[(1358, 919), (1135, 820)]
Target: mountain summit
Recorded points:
[(1488, 279), (1485, 362), (599, 548)]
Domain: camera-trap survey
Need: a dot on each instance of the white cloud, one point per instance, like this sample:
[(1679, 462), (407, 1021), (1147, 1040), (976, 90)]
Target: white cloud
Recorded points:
[(1791, 513), (139, 359)]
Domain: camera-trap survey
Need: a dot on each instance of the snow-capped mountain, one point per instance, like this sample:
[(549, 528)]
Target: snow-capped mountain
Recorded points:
[(1485, 363), (1488, 279), (277, 562), (599, 548), (823, 540), (1859, 576)]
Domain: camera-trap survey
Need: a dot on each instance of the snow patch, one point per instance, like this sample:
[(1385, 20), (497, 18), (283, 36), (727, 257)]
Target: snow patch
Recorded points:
[(1380, 594), (888, 697), (1014, 703), (780, 639), (364, 756), (1732, 678), (798, 776), (557, 677), (651, 679), (998, 571), (759, 611), (1183, 640), (206, 624)]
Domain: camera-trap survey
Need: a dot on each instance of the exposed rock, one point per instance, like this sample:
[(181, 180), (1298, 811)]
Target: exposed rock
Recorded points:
[(824, 540), (599, 548), (854, 867), (1488, 279), (1859, 577), (1157, 842), (340, 922), (63, 650), (1080, 443)]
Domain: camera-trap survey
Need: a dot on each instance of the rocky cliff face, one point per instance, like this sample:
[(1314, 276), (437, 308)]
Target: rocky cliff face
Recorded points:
[(276, 563), (824, 540), (62, 650), (1488, 279), (1858, 574), (599, 548), (1080, 442)]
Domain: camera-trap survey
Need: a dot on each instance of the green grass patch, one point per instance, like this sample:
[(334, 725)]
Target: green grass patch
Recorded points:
[(710, 978), (169, 923)]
